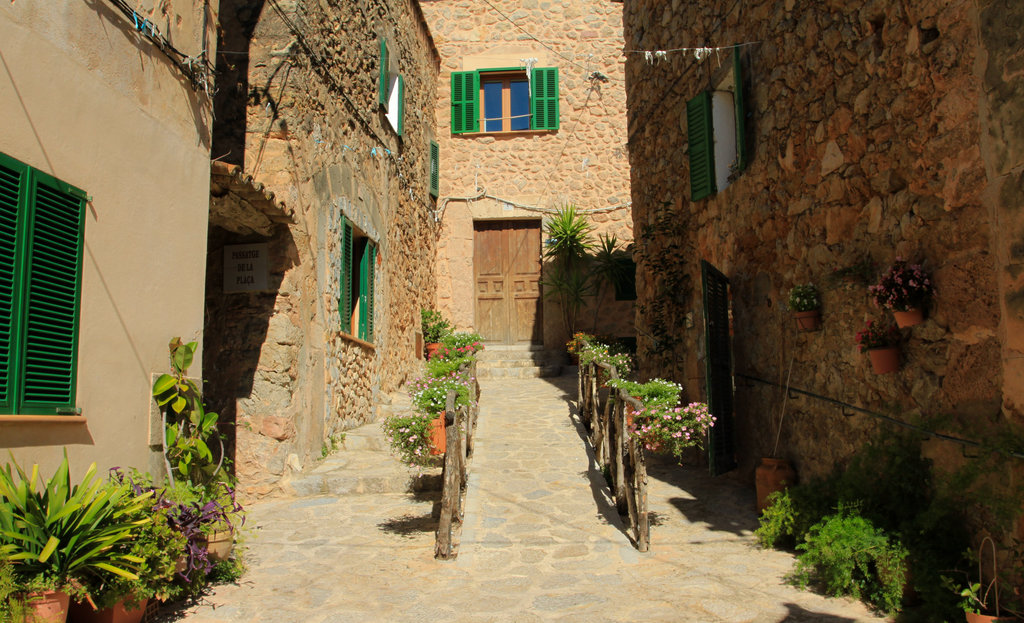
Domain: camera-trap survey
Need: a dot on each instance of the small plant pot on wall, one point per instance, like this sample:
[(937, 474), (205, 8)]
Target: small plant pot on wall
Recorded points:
[(432, 348), (884, 360), (808, 320), (771, 476), (438, 438), (909, 318)]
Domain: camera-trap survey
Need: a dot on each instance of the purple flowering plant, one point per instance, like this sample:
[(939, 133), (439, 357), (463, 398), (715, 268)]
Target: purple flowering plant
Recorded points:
[(903, 287), (672, 429), (408, 434)]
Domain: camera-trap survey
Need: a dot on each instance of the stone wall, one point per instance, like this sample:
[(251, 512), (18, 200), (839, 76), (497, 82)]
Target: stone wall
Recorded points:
[(875, 130), (583, 162), (313, 133)]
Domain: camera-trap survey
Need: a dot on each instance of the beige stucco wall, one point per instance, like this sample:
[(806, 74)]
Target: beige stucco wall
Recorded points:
[(86, 100), (584, 162)]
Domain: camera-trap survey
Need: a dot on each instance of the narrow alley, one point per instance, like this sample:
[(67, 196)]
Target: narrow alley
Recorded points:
[(541, 541)]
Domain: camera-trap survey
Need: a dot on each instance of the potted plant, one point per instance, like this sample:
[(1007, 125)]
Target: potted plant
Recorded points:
[(881, 343), (435, 328), (672, 429), (412, 437), (905, 289), (61, 537), (567, 243), (157, 544), (805, 303), (982, 605)]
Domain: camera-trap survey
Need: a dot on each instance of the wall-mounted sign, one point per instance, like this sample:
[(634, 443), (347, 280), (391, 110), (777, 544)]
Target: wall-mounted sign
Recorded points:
[(245, 267)]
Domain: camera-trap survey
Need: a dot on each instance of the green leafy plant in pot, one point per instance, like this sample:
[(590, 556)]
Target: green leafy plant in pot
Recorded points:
[(435, 328), (566, 246), (981, 599), (805, 303), (62, 536), (189, 428)]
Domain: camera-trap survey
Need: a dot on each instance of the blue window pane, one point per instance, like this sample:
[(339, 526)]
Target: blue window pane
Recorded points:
[(520, 96), (492, 106)]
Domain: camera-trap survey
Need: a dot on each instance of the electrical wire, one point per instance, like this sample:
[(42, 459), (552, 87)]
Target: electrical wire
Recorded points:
[(196, 68)]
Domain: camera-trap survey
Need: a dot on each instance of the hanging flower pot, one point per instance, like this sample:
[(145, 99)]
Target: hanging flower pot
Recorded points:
[(885, 360), (808, 320), (908, 318), (438, 437)]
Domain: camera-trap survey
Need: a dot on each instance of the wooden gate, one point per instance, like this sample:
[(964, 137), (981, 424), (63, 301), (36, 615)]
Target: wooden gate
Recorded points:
[(506, 263), (718, 359)]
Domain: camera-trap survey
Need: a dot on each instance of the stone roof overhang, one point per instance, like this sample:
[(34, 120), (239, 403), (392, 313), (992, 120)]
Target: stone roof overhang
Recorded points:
[(240, 204)]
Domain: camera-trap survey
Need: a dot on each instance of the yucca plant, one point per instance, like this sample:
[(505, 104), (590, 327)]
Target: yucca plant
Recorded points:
[(568, 242), (63, 533)]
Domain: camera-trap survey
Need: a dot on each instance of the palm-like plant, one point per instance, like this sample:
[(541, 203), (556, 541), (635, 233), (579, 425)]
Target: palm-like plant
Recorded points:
[(567, 244), (609, 266), (63, 531)]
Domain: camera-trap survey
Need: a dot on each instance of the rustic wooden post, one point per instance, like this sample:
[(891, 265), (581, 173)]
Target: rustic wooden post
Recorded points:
[(644, 524), (620, 472), (451, 489)]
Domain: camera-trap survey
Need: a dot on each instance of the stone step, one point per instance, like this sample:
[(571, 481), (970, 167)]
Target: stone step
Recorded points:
[(531, 372), (506, 355)]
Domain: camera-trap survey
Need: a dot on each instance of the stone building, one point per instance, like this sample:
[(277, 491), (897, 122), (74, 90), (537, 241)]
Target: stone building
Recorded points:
[(104, 192), (859, 133), (530, 117), (329, 106)]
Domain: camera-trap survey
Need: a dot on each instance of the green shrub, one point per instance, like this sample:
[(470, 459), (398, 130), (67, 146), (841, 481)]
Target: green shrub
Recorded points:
[(438, 367), (434, 325), (847, 555), (656, 392), (778, 521)]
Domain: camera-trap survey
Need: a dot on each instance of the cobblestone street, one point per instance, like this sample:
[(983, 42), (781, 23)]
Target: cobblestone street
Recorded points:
[(541, 542)]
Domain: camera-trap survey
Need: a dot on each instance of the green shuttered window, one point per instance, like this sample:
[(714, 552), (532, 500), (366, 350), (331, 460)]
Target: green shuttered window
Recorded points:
[(357, 283), (700, 136), (383, 78), (435, 169), (41, 234), (467, 107)]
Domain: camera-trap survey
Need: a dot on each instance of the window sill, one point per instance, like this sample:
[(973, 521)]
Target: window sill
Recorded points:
[(351, 338), (504, 134), (42, 419)]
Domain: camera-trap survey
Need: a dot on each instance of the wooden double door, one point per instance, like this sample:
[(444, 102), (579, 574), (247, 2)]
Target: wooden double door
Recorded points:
[(506, 266)]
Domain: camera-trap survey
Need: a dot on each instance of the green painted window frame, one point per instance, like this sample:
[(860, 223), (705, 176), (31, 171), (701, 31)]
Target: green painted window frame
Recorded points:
[(42, 229), (360, 270), (701, 134), (544, 99), (435, 169)]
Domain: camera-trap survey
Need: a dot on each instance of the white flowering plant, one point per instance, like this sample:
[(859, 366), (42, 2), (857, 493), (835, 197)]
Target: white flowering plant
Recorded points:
[(653, 392), (903, 287), (409, 437), (804, 298), (672, 429), (602, 353), (430, 394)]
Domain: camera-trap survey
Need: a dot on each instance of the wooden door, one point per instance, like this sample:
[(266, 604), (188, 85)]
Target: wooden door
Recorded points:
[(506, 261), (718, 360)]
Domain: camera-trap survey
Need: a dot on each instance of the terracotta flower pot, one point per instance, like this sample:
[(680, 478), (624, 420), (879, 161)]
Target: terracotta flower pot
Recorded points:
[(884, 360), (219, 545), (770, 476), (83, 613), (432, 348), (908, 318), (985, 618), (438, 438), (47, 606), (808, 320)]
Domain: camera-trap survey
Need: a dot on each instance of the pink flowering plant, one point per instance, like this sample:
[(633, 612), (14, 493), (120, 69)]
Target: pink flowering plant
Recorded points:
[(903, 287), (877, 335), (430, 394), (409, 437), (672, 429), (459, 345)]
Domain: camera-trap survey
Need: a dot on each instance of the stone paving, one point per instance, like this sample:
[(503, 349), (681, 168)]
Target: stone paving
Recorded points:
[(541, 542)]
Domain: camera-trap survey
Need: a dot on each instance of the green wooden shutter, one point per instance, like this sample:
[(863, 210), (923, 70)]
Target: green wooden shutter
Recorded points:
[(364, 299), (718, 363), (345, 277), (435, 169), (700, 137), (50, 347), (741, 113), (382, 81), (465, 101), (371, 277), (401, 103), (544, 99), (13, 190)]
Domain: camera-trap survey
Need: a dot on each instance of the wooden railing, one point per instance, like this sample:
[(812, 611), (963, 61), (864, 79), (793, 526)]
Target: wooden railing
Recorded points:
[(460, 424), (618, 453)]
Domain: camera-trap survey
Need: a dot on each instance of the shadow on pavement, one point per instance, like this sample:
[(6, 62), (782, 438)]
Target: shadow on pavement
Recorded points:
[(409, 525), (802, 615), (722, 504)]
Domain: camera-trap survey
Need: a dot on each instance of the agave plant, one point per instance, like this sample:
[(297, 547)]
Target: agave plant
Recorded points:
[(567, 244), (64, 532)]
